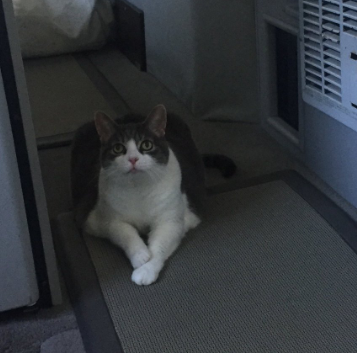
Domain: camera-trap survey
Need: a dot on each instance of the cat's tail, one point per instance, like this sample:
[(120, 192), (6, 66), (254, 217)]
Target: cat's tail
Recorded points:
[(218, 161)]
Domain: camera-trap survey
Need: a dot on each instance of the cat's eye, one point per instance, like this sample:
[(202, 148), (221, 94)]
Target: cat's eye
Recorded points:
[(118, 148), (146, 146)]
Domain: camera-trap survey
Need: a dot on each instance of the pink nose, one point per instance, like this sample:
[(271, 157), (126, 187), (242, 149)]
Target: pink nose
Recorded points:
[(133, 160)]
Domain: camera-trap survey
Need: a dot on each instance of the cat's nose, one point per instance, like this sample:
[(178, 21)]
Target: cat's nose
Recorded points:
[(133, 160)]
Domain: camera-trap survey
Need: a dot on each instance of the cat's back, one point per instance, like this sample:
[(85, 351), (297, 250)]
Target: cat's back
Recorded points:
[(85, 167), (182, 144)]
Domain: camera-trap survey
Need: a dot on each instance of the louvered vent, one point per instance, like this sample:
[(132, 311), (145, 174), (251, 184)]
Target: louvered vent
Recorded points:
[(350, 17), (329, 57), (321, 22)]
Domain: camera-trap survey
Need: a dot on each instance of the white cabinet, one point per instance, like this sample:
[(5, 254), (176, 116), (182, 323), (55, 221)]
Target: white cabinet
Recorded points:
[(28, 271)]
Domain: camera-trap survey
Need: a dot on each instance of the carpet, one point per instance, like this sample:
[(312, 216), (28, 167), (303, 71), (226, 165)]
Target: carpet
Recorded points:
[(264, 273)]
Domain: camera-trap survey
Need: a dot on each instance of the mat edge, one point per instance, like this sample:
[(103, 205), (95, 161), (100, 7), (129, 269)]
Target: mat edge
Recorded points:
[(90, 322)]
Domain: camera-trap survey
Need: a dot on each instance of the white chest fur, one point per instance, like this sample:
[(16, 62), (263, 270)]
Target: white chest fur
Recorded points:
[(143, 199)]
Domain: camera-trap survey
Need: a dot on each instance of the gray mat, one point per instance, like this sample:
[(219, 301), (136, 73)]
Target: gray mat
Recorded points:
[(264, 273)]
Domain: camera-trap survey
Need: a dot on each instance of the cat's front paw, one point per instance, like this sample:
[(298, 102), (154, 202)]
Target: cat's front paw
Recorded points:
[(145, 275), (140, 258)]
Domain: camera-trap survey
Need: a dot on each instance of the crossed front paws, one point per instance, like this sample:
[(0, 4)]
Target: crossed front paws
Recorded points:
[(141, 257), (145, 274), (145, 271)]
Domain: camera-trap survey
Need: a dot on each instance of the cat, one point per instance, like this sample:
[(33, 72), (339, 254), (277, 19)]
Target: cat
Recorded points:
[(133, 176)]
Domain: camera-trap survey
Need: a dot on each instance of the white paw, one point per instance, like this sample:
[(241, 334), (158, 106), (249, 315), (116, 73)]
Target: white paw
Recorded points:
[(145, 275), (140, 258)]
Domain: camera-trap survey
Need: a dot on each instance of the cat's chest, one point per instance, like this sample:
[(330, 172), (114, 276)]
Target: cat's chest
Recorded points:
[(142, 200), (134, 204), (142, 206)]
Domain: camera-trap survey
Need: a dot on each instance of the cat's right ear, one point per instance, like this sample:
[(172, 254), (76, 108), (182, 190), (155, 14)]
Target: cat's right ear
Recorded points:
[(156, 120), (105, 126)]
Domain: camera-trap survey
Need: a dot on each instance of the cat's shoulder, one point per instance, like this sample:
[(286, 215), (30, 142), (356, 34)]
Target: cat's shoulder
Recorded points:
[(86, 130)]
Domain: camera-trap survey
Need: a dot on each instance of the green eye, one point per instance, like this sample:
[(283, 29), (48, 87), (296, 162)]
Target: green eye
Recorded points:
[(118, 148), (146, 146)]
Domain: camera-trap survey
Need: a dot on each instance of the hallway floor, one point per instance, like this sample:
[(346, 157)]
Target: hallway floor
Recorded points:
[(118, 87)]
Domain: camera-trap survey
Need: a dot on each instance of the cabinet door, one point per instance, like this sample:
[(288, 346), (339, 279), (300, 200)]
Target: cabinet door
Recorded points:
[(18, 285), (28, 270)]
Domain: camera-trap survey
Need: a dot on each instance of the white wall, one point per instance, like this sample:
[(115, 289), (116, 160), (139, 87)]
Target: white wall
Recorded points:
[(225, 71), (204, 52), (331, 152), (170, 44)]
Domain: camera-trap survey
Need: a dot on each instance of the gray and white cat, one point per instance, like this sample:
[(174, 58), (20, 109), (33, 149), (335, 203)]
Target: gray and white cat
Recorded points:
[(137, 176)]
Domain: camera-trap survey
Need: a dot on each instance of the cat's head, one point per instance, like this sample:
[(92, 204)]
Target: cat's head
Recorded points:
[(134, 148)]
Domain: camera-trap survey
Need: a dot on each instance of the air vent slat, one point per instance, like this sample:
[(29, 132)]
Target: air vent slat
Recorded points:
[(312, 36), (331, 8), (312, 19), (331, 44), (351, 32), (334, 80), (313, 70), (333, 62), (314, 87), (350, 5), (351, 23), (332, 17), (333, 71), (314, 79), (328, 26), (332, 53), (313, 62), (331, 36), (312, 2), (350, 14), (313, 53), (312, 45), (313, 28), (333, 96), (333, 88), (332, 1), (311, 10)]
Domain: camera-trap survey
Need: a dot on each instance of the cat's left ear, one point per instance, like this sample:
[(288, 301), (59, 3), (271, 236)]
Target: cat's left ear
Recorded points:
[(105, 126), (156, 120)]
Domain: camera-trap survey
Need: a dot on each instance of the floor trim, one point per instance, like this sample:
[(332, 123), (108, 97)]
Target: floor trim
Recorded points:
[(55, 141)]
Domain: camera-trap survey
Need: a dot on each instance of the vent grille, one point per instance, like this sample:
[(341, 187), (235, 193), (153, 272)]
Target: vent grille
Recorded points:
[(328, 55), (322, 48), (350, 17)]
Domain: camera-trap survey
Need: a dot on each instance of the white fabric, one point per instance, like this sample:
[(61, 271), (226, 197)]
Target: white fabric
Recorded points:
[(48, 27)]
